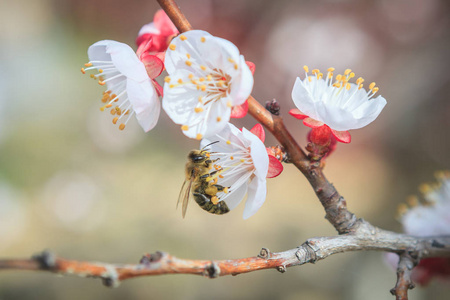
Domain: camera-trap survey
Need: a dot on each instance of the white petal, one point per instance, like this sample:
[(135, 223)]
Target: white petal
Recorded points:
[(123, 57), (236, 197), (242, 84), (256, 196), (303, 99), (258, 153), (145, 102)]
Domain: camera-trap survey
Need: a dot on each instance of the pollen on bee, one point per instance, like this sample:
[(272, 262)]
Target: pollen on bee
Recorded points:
[(167, 79), (188, 63), (183, 37), (83, 71), (88, 64), (214, 200), (115, 120), (198, 109), (199, 136), (306, 68), (218, 119), (122, 126), (184, 127), (172, 47)]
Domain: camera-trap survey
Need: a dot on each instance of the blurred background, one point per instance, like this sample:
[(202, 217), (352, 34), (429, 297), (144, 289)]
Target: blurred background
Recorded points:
[(71, 182)]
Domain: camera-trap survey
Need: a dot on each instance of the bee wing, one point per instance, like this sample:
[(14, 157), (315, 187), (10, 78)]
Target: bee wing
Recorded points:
[(185, 195)]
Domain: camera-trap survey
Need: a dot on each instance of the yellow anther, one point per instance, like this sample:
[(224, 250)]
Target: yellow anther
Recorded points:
[(242, 160), (102, 108), (101, 78), (191, 76), (198, 109), (220, 83), (172, 86), (193, 81), (199, 136), (309, 78), (92, 76), (231, 157), (101, 82), (214, 200), (127, 112), (203, 87), (200, 99), (83, 71), (115, 120), (113, 111), (114, 96), (100, 70), (188, 55), (320, 75), (348, 86), (202, 67), (88, 64), (231, 60), (306, 68), (360, 86), (330, 74), (372, 85), (359, 80), (338, 77), (202, 39), (330, 69), (236, 66), (183, 37), (228, 142), (188, 63), (209, 77), (412, 201), (375, 90), (122, 126), (172, 47), (219, 119), (225, 190), (425, 188), (347, 71), (229, 104), (180, 81), (337, 85), (108, 105), (167, 79), (315, 71), (184, 127), (351, 75), (201, 79)]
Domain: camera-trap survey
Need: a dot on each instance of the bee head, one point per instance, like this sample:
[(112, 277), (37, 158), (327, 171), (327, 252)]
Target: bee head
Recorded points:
[(198, 156)]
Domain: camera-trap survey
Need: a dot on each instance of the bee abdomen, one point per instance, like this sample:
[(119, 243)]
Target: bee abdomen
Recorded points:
[(205, 203)]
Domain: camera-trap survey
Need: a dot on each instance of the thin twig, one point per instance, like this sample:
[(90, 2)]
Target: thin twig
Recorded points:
[(404, 283)]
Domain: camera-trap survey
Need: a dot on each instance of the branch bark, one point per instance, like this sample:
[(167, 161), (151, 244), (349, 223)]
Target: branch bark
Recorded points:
[(311, 251)]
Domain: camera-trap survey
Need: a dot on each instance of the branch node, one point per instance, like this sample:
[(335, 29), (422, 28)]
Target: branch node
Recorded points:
[(46, 260), (212, 270), (273, 107), (149, 258), (264, 253), (281, 269)]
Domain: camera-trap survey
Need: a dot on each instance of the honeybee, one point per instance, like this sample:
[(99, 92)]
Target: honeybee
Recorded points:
[(200, 183)]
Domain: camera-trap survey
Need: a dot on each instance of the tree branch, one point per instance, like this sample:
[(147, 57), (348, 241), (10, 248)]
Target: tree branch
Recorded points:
[(404, 283), (311, 251)]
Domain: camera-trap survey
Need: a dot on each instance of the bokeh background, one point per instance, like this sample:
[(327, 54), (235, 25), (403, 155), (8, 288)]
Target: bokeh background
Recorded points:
[(72, 183)]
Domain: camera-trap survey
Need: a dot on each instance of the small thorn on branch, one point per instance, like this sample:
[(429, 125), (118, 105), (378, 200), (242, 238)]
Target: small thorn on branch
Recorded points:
[(273, 107), (149, 258)]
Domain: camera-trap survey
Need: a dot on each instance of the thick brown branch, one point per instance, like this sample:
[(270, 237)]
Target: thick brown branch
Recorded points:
[(175, 14), (311, 251)]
